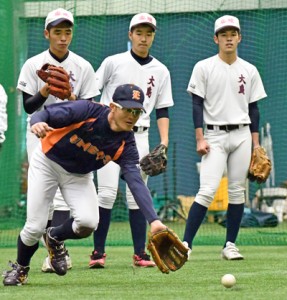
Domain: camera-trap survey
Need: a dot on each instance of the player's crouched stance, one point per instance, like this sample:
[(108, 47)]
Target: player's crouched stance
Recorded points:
[(71, 149)]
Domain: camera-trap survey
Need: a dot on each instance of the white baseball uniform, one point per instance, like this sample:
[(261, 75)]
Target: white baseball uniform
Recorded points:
[(154, 79), (227, 91), (3, 113), (83, 85)]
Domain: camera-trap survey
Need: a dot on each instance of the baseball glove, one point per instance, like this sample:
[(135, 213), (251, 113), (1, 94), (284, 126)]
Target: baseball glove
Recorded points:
[(58, 80), (155, 162), (260, 165), (167, 250)]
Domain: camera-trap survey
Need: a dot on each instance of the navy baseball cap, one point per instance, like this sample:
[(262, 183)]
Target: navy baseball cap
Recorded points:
[(129, 96)]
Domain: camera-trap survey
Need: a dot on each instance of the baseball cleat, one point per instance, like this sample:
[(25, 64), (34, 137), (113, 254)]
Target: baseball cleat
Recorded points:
[(46, 267), (68, 260), (230, 252), (189, 250), (57, 254), (143, 260), (97, 260), (17, 276)]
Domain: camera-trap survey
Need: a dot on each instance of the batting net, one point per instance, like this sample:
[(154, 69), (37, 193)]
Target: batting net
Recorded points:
[(185, 35)]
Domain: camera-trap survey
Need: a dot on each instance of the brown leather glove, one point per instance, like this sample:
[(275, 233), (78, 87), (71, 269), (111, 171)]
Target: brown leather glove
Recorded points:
[(58, 80), (167, 250), (260, 165)]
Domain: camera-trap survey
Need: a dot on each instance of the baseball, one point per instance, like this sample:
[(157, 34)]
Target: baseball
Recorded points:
[(228, 280)]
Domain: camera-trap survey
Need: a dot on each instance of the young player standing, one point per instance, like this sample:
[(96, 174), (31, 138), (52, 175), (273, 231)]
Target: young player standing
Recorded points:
[(225, 90), (139, 67), (92, 136), (3, 114), (59, 32)]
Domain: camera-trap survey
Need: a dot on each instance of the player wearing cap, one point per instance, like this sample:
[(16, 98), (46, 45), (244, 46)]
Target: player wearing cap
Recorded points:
[(92, 136), (225, 90), (59, 32), (139, 67), (3, 114)]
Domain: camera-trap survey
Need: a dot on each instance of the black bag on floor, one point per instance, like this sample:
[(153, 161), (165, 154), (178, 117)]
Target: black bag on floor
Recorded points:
[(255, 218)]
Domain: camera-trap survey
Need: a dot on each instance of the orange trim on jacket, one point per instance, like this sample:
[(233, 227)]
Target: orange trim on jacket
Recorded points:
[(53, 137)]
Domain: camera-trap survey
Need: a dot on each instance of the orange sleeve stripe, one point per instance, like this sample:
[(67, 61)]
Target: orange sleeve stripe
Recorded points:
[(53, 137), (119, 151)]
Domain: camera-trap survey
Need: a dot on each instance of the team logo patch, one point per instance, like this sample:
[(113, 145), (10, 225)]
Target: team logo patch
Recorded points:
[(136, 95), (23, 83)]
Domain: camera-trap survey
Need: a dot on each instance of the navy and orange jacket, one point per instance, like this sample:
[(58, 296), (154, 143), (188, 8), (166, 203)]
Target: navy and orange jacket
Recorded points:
[(82, 141)]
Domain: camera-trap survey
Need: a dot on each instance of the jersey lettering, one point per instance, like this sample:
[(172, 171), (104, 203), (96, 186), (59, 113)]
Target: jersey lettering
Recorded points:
[(91, 149), (241, 87), (151, 84)]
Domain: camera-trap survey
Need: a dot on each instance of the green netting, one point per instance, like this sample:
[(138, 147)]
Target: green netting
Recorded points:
[(185, 36)]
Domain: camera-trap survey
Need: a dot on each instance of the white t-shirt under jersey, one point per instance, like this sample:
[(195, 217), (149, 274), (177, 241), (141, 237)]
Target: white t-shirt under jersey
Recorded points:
[(153, 78), (226, 89)]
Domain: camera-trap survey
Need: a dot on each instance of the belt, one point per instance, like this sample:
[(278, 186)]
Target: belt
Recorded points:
[(225, 127), (139, 128)]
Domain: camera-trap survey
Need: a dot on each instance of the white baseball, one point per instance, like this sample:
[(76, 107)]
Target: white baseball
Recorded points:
[(228, 280)]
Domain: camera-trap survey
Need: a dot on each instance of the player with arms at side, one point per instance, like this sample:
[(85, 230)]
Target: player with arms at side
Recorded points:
[(3, 114), (139, 67), (78, 138), (225, 90), (59, 32)]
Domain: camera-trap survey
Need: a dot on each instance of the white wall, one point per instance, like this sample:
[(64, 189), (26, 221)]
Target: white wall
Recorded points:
[(118, 7)]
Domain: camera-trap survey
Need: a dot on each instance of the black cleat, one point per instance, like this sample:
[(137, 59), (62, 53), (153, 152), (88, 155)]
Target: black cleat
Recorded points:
[(57, 254), (17, 276)]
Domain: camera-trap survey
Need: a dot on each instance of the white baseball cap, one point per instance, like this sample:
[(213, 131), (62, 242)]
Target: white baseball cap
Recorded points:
[(58, 16), (226, 21), (143, 18)]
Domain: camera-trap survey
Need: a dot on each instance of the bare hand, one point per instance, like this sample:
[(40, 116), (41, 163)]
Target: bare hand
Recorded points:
[(45, 90), (202, 147), (156, 226), (73, 97), (41, 129)]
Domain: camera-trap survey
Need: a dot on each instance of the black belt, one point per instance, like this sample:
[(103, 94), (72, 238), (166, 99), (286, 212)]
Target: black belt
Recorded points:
[(136, 128), (225, 127)]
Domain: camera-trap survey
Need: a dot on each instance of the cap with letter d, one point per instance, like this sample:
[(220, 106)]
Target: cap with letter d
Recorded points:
[(226, 21), (143, 18), (129, 96), (58, 16)]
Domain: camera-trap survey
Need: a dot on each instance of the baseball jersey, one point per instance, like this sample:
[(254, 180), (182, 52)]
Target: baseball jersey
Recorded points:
[(3, 112), (83, 141), (80, 70), (153, 78), (226, 89)]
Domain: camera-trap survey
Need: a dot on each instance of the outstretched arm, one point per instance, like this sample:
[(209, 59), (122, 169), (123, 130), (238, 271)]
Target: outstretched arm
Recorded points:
[(143, 199)]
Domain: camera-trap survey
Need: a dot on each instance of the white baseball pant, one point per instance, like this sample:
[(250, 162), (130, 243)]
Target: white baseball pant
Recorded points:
[(231, 149), (58, 204), (44, 177)]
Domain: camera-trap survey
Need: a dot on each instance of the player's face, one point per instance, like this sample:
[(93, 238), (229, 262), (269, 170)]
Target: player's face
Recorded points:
[(124, 119), (142, 38), (227, 40), (60, 38)]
